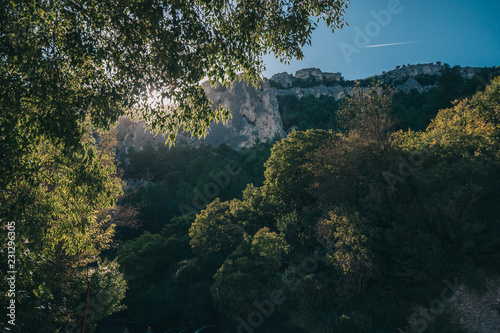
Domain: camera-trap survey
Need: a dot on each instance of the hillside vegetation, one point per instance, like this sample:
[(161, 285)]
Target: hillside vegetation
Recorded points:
[(349, 226)]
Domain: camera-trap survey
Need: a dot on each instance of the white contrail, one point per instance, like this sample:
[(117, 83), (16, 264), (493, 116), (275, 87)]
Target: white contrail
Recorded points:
[(390, 44)]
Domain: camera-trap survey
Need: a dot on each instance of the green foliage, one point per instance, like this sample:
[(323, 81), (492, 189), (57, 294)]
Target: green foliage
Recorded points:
[(215, 230), (269, 245), (60, 59), (348, 237), (353, 322), (426, 79), (367, 113), (286, 182), (61, 207), (185, 179), (107, 291), (416, 110), (148, 261), (255, 265), (439, 222), (308, 112), (307, 83)]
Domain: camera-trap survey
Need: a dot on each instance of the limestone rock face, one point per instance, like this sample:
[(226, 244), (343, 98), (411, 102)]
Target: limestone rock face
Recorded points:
[(255, 115), (308, 73), (315, 74), (284, 79), (413, 70), (332, 76), (336, 91)]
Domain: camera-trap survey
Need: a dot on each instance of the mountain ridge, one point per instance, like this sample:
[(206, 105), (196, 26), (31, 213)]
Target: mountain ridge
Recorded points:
[(255, 114)]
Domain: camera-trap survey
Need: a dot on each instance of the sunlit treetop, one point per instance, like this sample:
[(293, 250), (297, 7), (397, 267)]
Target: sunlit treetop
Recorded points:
[(62, 60)]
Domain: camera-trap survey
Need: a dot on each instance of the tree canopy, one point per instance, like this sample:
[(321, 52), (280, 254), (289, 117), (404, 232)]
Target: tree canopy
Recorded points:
[(60, 206), (64, 60)]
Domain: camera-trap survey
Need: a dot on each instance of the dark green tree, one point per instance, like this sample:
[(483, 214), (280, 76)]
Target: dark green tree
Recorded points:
[(150, 262)]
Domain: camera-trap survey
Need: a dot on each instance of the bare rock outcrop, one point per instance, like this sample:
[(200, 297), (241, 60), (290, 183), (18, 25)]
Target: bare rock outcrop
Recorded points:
[(254, 115)]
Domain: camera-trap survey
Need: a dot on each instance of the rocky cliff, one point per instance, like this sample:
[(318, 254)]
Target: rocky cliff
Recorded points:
[(254, 115), (254, 118), (254, 111), (421, 69)]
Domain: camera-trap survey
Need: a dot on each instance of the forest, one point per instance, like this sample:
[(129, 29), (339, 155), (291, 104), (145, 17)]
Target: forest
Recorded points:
[(356, 222), (349, 228)]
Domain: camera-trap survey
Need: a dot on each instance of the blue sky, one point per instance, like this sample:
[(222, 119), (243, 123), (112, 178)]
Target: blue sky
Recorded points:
[(457, 32)]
